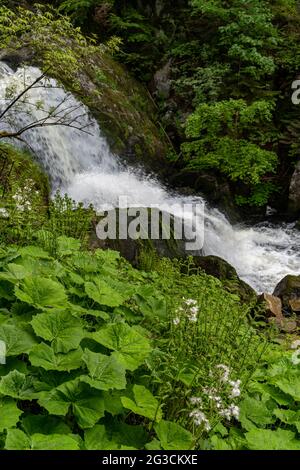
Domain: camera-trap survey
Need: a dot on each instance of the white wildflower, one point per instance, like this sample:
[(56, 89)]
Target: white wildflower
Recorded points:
[(3, 212), (190, 302), (199, 418), (193, 317), (295, 344), (235, 383), (195, 400), (176, 321), (295, 357), (226, 413), (234, 410), (235, 392), (226, 372), (194, 310)]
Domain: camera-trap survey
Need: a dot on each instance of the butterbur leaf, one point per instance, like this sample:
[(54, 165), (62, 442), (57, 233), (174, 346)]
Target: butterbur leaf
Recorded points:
[(266, 439), (17, 340), (87, 405), (288, 417), (14, 273), (13, 363), (9, 413), (151, 304), (112, 402), (85, 262), (289, 383), (254, 412), (103, 294), (34, 252), (275, 393), (131, 348), (6, 290), (153, 445), (17, 440), (18, 385), (44, 424), (41, 292), (128, 436), (67, 245), (61, 328), (75, 278), (219, 444), (105, 372), (143, 403), (54, 442), (97, 439), (173, 437), (43, 356)]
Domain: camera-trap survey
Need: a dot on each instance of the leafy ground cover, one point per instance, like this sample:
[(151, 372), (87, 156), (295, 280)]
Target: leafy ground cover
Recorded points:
[(269, 412), (96, 352)]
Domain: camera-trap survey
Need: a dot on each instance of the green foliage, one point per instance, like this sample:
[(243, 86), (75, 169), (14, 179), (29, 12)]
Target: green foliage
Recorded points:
[(219, 132), (269, 414), (60, 46), (88, 359), (245, 31), (79, 10)]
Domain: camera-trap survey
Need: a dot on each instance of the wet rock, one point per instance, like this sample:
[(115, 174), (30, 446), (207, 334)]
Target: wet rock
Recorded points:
[(162, 81), (288, 289), (273, 306), (294, 192), (274, 313), (222, 270), (295, 305)]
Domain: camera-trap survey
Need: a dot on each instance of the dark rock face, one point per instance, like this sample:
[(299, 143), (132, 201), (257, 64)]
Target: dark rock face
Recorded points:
[(132, 249), (294, 192), (288, 290), (219, 268), (215, 266)]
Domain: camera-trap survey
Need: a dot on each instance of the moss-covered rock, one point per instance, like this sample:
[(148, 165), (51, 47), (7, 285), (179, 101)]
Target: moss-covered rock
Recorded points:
[(144, 250), (288, 289), (123, 107), (221, 269)]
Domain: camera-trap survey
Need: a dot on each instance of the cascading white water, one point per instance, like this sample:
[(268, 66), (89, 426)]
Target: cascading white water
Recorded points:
[(82, 165)]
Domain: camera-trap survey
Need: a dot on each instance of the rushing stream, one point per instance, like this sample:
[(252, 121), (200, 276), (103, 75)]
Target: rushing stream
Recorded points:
[(82, 165)]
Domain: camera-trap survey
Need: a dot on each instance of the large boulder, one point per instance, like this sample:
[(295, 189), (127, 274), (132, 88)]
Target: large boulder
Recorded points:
[(135, 250), (288, 290), (222, 270), (294, 192)]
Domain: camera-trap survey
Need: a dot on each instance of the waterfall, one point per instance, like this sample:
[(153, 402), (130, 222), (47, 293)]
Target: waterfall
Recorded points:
[(82, 165)]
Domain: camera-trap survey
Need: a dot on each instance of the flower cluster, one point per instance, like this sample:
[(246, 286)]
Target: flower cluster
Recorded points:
[(22, 195), (189, 310), (200, 419), (213, 394)]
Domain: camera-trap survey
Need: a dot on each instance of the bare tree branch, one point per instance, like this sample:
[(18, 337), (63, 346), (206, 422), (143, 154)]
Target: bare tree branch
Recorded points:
[(17, 98), (53, 116)]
